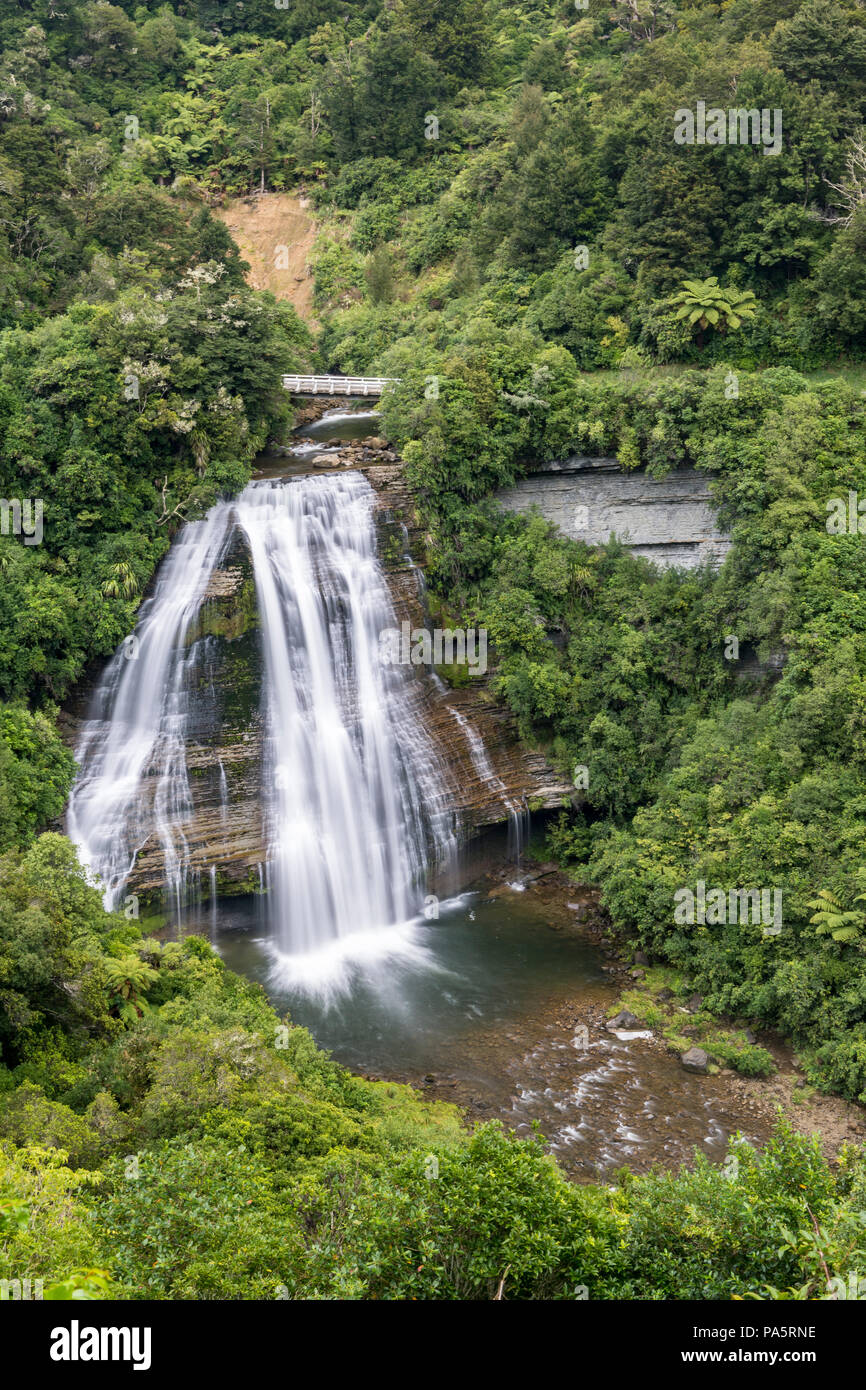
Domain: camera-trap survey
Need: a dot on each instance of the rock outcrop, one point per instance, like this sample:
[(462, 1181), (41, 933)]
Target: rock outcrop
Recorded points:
[(668, 520)]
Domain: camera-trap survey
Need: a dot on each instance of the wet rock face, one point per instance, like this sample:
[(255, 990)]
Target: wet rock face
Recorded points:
[(514, 775), (309, 409), (624, 1019), (339, 454), (668, 520)]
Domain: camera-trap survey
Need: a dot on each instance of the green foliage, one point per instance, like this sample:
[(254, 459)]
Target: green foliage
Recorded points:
[(35, 773), (749, 1060), (519, 162), (379, 275), (715, 1232), (831, 917), (237, 1161), (115, 473), (45, 1227), (29, 1119), (698, 767), (706, 304), (52, 934), (127, 979)]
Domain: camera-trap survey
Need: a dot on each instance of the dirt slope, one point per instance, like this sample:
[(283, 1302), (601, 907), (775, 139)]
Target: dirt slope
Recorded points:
[(275, 233)]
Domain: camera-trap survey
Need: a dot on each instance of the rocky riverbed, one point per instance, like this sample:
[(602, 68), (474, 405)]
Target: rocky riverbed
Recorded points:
[(604, 1096)]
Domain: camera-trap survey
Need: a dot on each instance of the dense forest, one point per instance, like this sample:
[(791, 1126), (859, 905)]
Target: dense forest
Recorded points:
[(508, 226)]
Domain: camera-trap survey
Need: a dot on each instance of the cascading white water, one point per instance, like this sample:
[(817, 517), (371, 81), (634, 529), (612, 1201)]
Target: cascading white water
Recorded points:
[(132, 781), (355, 800), (518, 813), (353, 788)]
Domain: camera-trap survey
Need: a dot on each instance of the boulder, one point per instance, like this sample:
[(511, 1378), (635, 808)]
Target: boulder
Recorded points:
[(623, 1019), (641, 958), (664, 995), (694, 1003), (695, 1060)]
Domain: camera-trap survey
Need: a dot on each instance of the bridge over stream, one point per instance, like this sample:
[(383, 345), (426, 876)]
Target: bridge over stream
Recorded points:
[(338, 385)]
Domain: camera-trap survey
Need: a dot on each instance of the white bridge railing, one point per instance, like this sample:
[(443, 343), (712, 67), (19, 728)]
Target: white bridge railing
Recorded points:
[(338, 385)]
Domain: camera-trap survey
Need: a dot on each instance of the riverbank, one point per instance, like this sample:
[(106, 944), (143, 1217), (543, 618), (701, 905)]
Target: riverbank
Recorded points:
[(663, 1001)]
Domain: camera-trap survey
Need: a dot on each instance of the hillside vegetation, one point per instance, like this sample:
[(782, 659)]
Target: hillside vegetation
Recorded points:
[(506, 223)]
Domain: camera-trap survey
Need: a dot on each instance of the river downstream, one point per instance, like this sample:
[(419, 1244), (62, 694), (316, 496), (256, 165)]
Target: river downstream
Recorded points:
[(500, 1006)]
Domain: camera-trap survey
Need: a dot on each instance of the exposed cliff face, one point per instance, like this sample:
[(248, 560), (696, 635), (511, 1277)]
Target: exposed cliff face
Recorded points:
[(501, 775), (225, 833), (262, 225), (668, 520)]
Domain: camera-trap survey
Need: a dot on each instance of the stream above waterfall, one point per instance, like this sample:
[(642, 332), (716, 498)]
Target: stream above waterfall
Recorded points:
[(341, 424)]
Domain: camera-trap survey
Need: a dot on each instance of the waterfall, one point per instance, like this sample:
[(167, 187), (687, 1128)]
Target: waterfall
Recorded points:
[(132, 781), (355, 800), (224, 794)]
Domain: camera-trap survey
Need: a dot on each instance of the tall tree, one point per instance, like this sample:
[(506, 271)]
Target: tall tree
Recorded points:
[(454, 32)]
